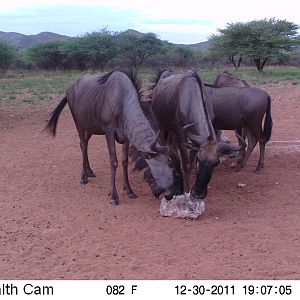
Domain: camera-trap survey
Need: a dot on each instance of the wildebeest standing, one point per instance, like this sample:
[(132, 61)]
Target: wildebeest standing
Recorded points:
[(109, 106), (179, 106), (242, 107), (227, 79)]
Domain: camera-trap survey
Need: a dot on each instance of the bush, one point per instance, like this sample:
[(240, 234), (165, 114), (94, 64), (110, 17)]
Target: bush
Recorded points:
[(46, 56), (7, 55)]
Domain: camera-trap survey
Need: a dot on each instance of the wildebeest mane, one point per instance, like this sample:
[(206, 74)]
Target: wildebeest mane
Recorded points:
[(211, 85), (157, 77), (195, 75), (133, 76)]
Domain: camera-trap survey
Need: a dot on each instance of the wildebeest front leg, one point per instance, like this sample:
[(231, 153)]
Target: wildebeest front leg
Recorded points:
[(185, 166), (192, 157), (110, 139), (242, 131), (126, 185)]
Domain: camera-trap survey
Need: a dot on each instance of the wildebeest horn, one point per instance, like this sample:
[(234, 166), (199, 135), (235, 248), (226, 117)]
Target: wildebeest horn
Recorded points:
[(191, 136), (157, 148), (241, 140), (188, 126), (226, 148)]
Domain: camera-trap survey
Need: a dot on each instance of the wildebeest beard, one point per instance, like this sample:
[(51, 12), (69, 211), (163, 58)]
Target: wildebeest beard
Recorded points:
[(141, 164)]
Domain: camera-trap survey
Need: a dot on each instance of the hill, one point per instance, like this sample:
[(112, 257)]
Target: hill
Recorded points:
[(23, 41), (195, 47)]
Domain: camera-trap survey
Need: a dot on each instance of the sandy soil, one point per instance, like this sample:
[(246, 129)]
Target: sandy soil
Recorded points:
[(51, 227)]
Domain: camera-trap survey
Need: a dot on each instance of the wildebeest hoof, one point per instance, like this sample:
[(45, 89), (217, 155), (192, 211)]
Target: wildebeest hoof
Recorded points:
[(238, 168), (83, 181), (114, 201), (91, 174), (257, 171), (129, 192), (132, 195)]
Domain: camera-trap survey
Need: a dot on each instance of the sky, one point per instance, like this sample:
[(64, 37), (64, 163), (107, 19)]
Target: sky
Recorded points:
[(177, 21)]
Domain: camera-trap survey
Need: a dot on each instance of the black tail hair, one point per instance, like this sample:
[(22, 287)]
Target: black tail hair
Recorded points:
[(51, 126), (268, 124)]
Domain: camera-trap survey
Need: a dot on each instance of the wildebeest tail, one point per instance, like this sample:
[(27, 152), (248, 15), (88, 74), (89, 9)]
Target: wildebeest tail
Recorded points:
[(51, 126), (268, 124)]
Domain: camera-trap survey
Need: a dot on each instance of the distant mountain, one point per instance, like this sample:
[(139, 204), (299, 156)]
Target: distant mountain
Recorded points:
[(131, 32), (193, 47), (23, 41), (199, 46)]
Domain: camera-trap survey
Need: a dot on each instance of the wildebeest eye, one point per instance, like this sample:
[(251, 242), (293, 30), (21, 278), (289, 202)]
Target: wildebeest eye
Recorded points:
[(149, 155)]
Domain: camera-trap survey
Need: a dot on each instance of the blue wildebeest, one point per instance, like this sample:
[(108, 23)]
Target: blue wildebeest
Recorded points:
[(179, 106), (109, 105), (236, 106), (227, 79)]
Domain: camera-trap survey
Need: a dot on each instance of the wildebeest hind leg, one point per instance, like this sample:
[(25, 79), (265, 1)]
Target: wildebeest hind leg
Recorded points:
[(252, 141), (260, 164), (126, 185), (83, 146), (90, 172), (110, 139)]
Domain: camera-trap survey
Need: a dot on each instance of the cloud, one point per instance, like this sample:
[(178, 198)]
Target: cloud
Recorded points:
[(188, 21), (67, 19)]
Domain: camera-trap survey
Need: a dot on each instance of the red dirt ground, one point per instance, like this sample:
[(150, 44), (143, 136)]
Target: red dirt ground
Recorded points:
[(51, 227)]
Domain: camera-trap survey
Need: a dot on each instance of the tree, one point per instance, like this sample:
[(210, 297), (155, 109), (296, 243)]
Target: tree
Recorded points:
[(258, 40), (75, 53), (230, 43), (100, 47), (46, 55), (183, 56), (139, 48), (7, 55), (268, 38)]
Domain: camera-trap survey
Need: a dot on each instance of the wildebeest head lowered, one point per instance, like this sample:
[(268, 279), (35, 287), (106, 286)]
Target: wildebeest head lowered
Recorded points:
[(160, 178), (109, 105), (179, 106)]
